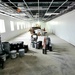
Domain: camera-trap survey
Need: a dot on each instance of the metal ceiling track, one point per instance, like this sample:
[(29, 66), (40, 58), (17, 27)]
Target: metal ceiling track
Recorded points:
[(38, 10), (44, 10), (28, 7), (58, 8), (14, 4), (48, 7), (63, 12)]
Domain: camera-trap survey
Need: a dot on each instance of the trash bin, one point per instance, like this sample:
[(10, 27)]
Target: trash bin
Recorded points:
[(13, 54), (21, 52)]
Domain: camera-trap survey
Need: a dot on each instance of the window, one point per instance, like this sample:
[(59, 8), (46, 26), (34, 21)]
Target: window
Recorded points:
[(2, 26), (12, 25)]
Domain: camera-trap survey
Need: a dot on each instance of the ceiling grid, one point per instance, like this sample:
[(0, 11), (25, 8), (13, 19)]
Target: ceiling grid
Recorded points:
[(37, 9)]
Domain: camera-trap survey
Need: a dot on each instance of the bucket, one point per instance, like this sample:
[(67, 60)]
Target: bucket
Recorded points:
[(13, 54), (21, 52)]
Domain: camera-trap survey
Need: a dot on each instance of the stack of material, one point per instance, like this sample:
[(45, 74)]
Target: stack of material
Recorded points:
[(16, 45)]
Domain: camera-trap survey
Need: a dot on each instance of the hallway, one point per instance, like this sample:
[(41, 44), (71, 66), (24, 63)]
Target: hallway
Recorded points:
[(61, 61)]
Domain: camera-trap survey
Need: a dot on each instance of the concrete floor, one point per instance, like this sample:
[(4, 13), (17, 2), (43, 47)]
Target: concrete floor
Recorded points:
[(61, 61)]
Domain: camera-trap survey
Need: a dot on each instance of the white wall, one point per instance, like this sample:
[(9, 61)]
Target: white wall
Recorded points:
[(42, 25), (63, 26), (10, 34)]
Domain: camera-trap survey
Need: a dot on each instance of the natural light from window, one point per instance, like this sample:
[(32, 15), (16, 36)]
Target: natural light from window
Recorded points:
[(2, 26), (12, 25)]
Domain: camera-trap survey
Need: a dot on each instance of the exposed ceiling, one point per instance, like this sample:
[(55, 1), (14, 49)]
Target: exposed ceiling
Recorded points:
[(35, 9)]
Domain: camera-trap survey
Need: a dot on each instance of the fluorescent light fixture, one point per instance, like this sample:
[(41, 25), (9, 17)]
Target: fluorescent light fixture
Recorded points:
[(51, 14)]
